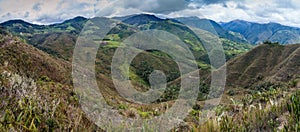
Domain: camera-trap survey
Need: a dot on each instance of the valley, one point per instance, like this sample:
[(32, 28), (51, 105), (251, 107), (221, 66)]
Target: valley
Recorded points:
[(261, 92)]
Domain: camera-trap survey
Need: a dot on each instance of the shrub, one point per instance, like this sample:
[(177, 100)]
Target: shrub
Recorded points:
[(145, 114), (231, 92), (44, 79), (227, 124), (123, 106), (293, 107)]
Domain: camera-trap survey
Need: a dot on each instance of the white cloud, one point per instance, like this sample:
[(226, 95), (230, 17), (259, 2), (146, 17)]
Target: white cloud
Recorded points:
[(44, 11), (50, 11), (251, 10), (125, 7)]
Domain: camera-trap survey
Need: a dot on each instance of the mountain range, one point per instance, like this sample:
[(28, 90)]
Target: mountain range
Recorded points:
[(257, 33), (213, 27), (36, 69), (238, 30), (59, 40)]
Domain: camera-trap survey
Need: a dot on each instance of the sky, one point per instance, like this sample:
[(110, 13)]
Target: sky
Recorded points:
[(286, 12)]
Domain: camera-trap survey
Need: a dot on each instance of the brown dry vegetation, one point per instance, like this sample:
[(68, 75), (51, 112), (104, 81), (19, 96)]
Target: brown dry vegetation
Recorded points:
[(36, 91), (264, 63), (26, 60)]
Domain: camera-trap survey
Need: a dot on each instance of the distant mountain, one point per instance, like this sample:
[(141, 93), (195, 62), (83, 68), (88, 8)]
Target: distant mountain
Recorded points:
[(74, 25), (21, 26), (256, 33), (59, 39), (56, 39), (213, 27), (138, 19), (26, 29)]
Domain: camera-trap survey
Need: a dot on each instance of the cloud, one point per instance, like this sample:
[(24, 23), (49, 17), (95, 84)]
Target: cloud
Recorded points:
[(200, 3), (207, 2), (6, 15), (45, 12), (37, 6), (250, 10), (26, 14), (122, 7)]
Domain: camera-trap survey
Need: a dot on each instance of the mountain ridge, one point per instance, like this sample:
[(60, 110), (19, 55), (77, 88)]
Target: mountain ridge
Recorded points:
[(259, 32), (236, 30), (265, 63), (211, 26)]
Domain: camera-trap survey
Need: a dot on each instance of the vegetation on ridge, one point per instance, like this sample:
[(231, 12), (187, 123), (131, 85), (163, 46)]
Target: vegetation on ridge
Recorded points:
[(261, 93)]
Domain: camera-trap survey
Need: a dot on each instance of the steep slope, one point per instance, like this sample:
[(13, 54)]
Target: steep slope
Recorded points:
[(265, 63), (264, 67), (26, 60), (256, 33), (59, 44), (36, 90)]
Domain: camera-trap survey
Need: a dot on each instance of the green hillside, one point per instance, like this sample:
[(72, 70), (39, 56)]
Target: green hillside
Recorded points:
[(37, 91), (59, 40)]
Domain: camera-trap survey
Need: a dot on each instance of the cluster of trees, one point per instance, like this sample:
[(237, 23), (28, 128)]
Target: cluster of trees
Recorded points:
[(268, 42)]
